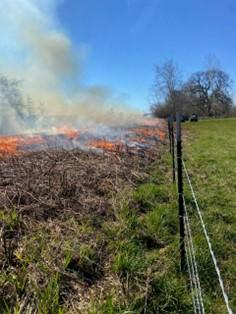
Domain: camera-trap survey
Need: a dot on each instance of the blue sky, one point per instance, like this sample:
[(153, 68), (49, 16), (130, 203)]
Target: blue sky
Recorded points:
[(126, 38), (117, 43)]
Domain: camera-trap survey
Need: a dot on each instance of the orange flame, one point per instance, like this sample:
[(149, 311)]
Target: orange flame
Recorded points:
[(9, 144), (107, 145), (12, 144), (18, 143), (69, 132)]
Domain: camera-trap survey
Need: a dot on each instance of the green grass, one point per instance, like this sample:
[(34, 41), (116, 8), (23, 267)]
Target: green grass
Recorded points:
[(210, 154), (143, 244)]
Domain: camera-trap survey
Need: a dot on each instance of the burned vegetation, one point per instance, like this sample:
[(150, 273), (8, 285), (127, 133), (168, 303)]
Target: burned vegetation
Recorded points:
[(64, 219)]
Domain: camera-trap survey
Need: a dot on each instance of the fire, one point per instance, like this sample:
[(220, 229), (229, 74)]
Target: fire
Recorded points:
[(106, 145), (13, 144), (9, 144), (69, 132), (68, 138)]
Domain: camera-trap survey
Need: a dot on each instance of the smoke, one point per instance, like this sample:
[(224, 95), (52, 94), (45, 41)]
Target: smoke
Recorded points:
[(12, 106), (36, 50)]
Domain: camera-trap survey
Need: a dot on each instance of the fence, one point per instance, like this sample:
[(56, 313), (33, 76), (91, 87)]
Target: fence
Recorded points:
[(188, 260)]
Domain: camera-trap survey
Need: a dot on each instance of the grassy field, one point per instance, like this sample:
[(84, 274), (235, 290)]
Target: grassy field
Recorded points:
[(209, 151)]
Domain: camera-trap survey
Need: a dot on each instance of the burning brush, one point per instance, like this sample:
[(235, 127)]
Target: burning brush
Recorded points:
[(118, 140)]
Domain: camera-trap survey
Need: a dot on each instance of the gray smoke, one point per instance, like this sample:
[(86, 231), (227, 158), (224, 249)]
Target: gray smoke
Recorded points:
[(13, 111), (37, 51)]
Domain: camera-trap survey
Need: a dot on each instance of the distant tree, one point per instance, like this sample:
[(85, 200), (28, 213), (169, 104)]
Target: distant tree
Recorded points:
[(209, 92), (206, 93), (166, 88), (161, 110)]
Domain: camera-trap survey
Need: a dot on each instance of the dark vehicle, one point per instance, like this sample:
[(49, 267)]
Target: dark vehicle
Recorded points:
[(194, 118), (184, 117)]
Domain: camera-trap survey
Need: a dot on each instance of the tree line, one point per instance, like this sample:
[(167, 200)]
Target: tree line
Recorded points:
[(207, 93)]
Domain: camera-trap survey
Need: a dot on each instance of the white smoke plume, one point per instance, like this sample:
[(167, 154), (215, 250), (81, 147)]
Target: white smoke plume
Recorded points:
[(36, 50)]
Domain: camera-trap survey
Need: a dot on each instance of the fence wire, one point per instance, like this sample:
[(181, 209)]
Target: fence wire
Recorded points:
[(225, 296), (196, 292), (192, 267), (195, 286)]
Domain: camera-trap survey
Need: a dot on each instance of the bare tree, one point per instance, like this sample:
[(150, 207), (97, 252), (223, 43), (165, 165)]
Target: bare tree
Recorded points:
[(167, 84), (210, 91), (207, 92)]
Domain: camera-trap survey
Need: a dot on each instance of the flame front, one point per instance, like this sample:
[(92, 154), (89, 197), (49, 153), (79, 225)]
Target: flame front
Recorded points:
[(68, 138), (9, 144), (67, 131), (15, 144), (106, 145), (12, 144)]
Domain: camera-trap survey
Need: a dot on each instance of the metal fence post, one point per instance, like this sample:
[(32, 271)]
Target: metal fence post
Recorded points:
[(169, 132), (172, 146), (180, 193)]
